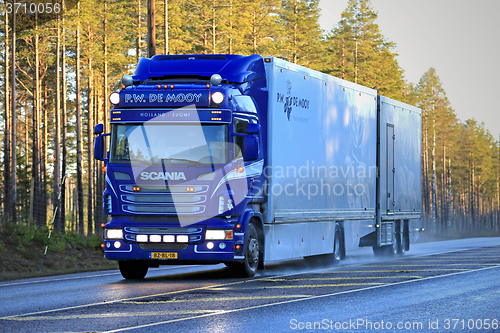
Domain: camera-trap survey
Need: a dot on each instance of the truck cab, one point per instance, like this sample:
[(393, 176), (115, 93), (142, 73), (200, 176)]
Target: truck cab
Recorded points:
[(185, 164)]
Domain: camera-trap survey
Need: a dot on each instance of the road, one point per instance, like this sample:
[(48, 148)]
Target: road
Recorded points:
[(449, 286)]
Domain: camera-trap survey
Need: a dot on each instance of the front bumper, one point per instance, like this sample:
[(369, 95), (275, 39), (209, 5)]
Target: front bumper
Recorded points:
[(222, 251)]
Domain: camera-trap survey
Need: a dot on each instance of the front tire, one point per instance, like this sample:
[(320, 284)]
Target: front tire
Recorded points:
[(251, 252), (133, 270)]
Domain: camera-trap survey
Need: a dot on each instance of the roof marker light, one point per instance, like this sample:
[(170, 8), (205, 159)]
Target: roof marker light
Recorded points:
[(216, 79), (127, 80)]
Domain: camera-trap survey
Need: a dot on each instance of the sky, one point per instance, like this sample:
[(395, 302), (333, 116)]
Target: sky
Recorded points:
[(459, 38)]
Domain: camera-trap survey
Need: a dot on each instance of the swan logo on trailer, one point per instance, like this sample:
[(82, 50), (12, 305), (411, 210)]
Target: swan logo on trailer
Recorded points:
[(163, 176), (291, 101)]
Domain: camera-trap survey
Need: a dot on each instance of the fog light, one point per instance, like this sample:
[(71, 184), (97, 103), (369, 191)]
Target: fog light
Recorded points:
[(142, 238), (169, 238), (182, 239), (155, 238), (222, 246), (210, 245), (117, 244)]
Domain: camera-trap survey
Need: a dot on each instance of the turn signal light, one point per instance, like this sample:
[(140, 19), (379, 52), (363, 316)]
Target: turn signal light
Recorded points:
[(136, 188), (102, 245)]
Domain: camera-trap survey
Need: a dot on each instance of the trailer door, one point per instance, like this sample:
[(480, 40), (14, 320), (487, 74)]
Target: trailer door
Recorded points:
[(391, 171)]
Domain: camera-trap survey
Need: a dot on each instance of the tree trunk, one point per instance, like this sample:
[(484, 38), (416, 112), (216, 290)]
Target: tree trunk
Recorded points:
[(90, 156), (434, 188), (166, 27), (37, 216), (44, 153), (64, 130), (79, 173), (151, 29), (7, 202), (13, 141), (57, 139), (214, 26), (138, 37)]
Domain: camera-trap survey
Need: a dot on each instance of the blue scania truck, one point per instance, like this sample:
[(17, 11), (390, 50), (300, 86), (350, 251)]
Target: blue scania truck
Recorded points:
[(246, 160)]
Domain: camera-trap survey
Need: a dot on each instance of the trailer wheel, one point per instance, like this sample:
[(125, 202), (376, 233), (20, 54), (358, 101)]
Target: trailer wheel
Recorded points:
[(134, 270), (252, 252)]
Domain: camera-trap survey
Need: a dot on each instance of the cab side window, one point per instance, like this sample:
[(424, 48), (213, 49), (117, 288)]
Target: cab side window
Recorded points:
[(239, 127)]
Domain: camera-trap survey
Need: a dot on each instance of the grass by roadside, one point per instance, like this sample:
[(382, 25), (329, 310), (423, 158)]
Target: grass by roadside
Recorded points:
[(22, 248)]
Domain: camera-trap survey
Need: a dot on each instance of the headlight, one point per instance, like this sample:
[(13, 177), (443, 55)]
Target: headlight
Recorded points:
[(217, 97), (219, 234), (113, 233), (114, 98)]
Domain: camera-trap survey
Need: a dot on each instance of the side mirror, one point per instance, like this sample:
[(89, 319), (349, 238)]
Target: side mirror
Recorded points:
[(98, 129), (99, 147), (253, 129), (250, 147)]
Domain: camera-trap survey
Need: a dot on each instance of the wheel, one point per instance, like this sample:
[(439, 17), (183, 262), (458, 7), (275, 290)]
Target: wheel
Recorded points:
[(252, 253), (134, 270), (337, 251)]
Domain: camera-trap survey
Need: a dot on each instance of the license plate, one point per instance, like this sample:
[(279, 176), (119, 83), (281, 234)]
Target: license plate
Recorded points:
[(163, 255)]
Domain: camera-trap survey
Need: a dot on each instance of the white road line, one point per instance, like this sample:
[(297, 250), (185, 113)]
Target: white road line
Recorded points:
[(55, 279), (238, 282), (290, 301)]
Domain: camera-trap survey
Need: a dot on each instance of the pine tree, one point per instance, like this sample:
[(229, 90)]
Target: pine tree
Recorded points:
[(359, 53), (302, 34)]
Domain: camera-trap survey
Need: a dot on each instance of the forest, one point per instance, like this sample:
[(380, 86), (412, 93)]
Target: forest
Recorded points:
[(58, 68)]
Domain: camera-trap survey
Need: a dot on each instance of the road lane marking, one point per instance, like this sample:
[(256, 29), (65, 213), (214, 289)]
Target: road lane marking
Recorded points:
[(217, 299), (113, 315), (6, 284), (347, 278), (424, 265), (320, 271), (293, 301), (397, 271), (284, 286)]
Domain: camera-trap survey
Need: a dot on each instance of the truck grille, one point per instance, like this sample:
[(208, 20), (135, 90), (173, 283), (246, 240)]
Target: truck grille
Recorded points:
[(161, 199)]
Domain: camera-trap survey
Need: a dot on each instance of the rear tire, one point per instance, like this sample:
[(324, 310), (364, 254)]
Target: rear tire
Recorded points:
[(133, 270)]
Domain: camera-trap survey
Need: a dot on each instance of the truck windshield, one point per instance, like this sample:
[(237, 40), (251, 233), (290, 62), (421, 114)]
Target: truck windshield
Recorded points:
[(169, 143)]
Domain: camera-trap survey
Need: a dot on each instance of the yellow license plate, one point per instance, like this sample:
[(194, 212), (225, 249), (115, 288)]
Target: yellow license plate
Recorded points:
[(164, 255)]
